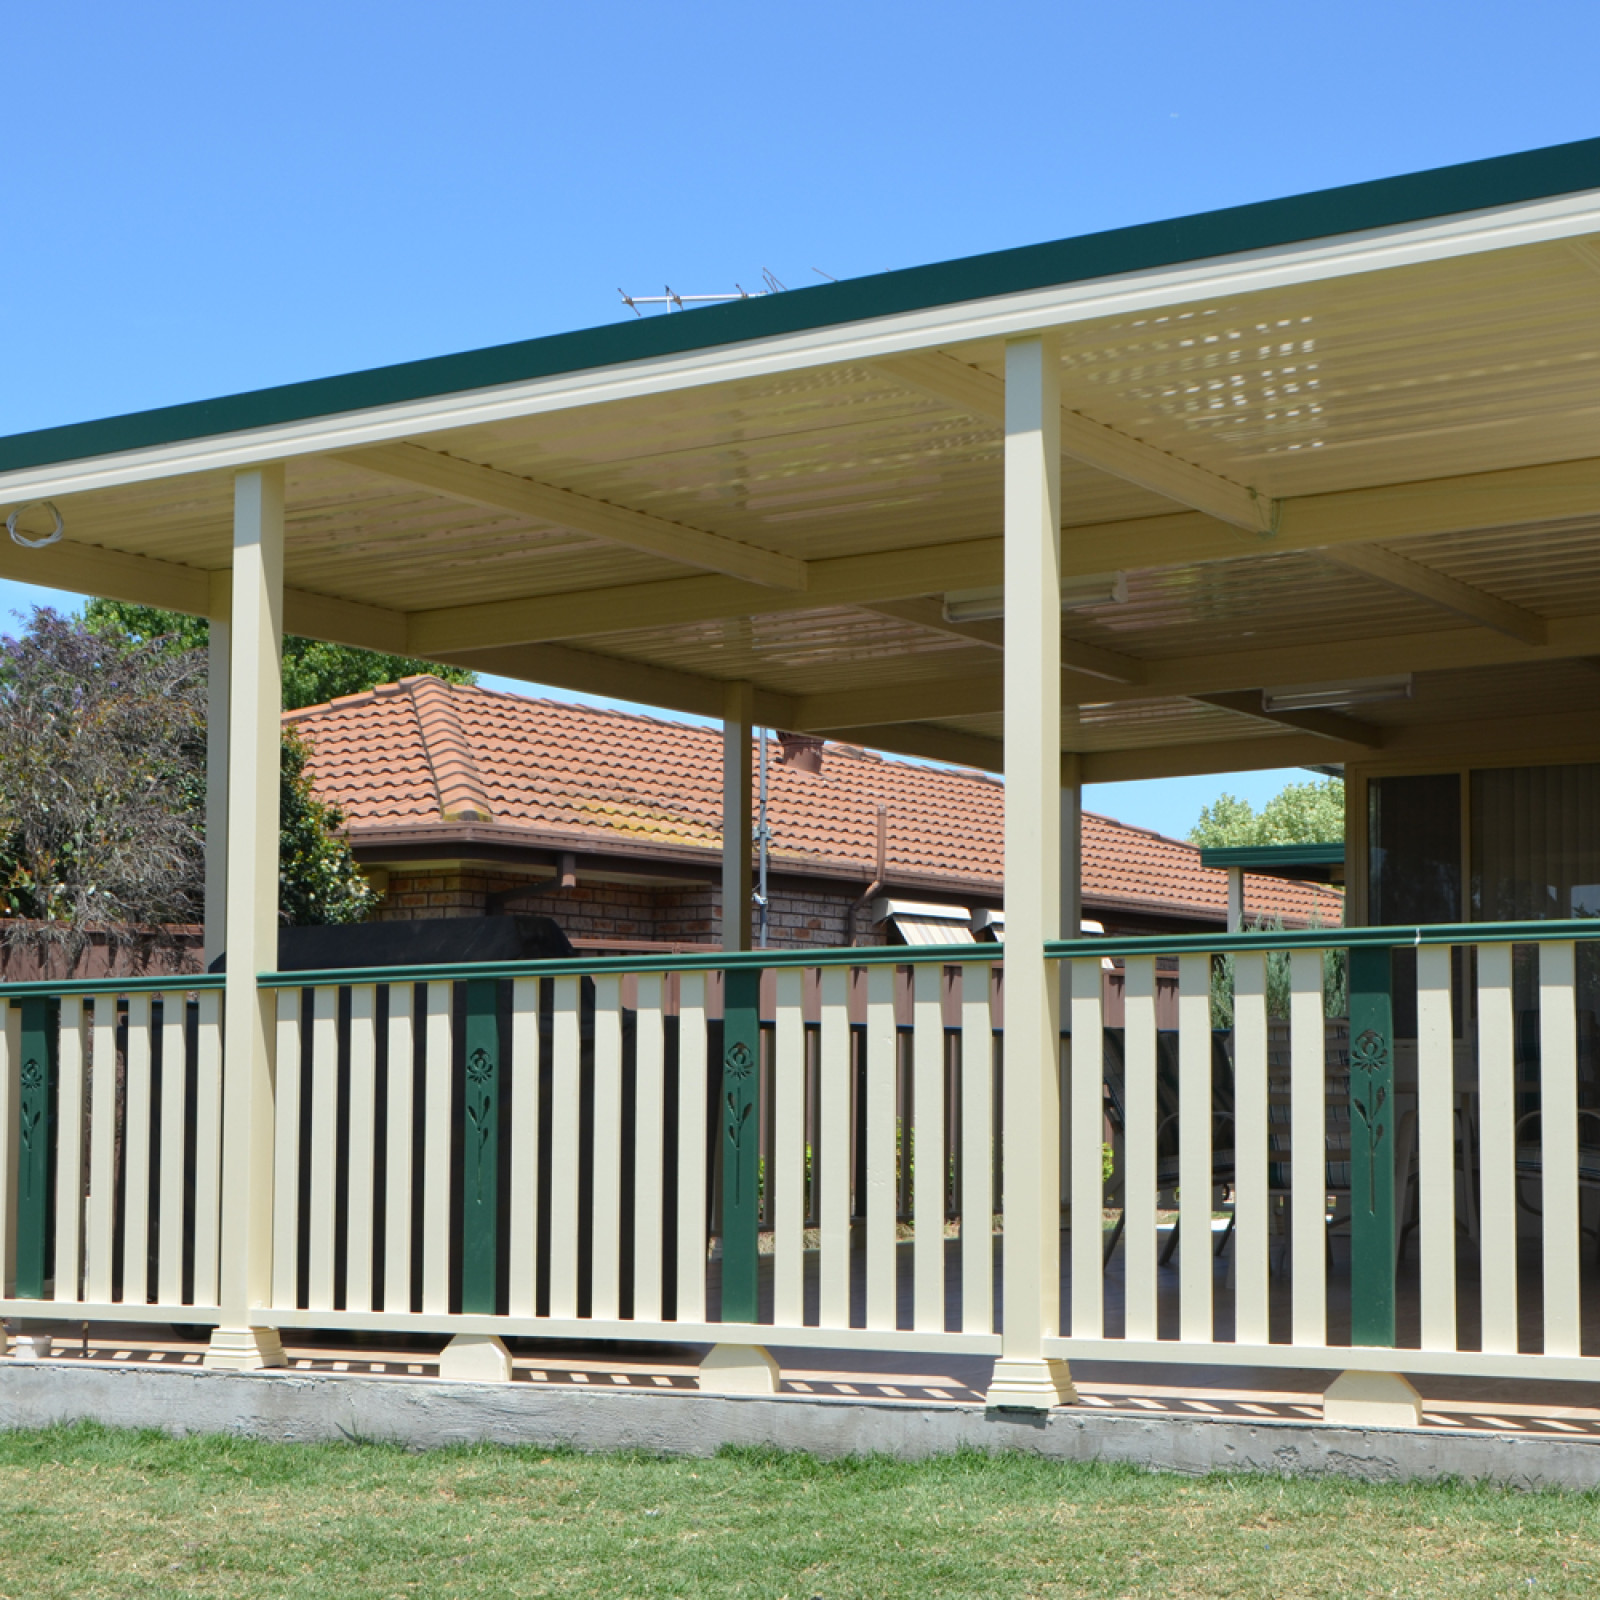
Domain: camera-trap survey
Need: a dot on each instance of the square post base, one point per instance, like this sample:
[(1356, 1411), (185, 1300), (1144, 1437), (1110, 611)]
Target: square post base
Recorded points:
[(1372, 1400), (1030, 1385), (475, 1358), (738, 1369), (30, 1346), (243, 1350)]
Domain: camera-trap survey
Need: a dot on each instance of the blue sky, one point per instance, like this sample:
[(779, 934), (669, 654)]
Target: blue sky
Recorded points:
[(202, 199)]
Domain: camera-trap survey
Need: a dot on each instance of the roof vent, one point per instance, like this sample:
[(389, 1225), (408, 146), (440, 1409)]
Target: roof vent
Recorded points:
[(802, 751)]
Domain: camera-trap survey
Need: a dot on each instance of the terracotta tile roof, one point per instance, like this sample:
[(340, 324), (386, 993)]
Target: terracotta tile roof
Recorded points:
[(421, 754)]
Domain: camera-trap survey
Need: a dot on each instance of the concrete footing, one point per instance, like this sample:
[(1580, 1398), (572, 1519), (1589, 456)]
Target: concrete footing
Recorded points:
[(422, 1412)]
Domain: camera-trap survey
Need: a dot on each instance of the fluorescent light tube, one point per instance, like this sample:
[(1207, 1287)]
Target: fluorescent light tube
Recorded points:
[(1336, 696), (1077, 594)]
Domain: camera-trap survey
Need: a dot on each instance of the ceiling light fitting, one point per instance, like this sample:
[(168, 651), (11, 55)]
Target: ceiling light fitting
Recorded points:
[(1336, 696), (20, 536), (1077, 594)]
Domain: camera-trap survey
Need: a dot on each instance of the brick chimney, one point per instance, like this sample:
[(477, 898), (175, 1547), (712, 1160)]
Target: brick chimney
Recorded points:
[(802, 751)]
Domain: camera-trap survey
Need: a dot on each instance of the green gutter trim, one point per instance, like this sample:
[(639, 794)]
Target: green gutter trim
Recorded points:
[(1353, 208), (1272, 855), (179, 982)]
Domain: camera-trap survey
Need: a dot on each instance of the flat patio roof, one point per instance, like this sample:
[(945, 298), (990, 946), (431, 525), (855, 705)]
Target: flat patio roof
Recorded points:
[(1332, 438)]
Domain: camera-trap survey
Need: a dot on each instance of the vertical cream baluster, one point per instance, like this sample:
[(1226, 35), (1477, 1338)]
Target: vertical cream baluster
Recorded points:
[(649, 1142), (1088, 1135), (1308, 1147), (926, 1136), (882, 1276), (363, 1146), (208, 1148), (1194, 1149), (1251, 1197), (69, 1150), (605, 1282), (286, 1154), (564, 1152), (833, 1160), (789, 1179), (692, 1147), (522, 1246), (99, 1210), (1558, 1120), (136, 1155), (1497, 1148), (1436, 1154), (321, 1211), (1139, 1192), (398, 1135), (977, 1151), (174, 1125), (436, 1111)]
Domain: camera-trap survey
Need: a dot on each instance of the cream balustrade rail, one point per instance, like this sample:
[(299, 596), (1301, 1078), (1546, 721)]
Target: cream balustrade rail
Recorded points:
[(625, 1148), (1472, 1128), (802, 1147), (110, 1148)]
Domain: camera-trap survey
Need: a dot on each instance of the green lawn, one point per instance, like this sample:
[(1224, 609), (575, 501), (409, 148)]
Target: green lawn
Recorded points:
[(86, 1513)]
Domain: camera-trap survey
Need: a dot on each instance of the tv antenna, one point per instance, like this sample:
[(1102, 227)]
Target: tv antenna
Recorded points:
[(672, 301)]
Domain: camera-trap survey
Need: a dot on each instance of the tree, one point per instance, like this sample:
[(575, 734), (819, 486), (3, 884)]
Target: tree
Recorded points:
[(102, 795), (313, 671), (101, 747), (318, 879), (1300, 813)]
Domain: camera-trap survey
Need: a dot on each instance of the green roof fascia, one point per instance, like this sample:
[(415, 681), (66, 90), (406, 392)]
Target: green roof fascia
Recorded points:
[(1272, 857), (1353, 208)]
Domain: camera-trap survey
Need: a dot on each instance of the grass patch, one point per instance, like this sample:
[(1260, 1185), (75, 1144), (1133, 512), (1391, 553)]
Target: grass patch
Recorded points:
[(89, 1512)]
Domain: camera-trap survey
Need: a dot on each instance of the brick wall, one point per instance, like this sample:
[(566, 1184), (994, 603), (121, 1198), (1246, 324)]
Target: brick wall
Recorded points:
[(800, 916)]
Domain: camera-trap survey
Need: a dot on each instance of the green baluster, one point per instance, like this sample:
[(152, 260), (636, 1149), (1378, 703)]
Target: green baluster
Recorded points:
[(480, 1148), (1372, 1136), (741, 1144), (34, 1135)]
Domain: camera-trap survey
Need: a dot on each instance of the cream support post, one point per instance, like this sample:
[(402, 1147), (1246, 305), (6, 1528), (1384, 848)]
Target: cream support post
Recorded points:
[(255, 706), (1071, 928), (1023, 1377), (218, 669), (737, 1368)]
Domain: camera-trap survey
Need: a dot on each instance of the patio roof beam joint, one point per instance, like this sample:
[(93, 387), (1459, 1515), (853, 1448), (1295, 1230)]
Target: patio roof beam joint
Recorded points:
[(468, 481), (1427, 583), (1325, 724), (1095, 444)]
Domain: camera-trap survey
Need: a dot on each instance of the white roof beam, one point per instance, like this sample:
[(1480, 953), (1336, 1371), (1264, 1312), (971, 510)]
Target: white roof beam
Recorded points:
[(1465, 599), (1077, 654), (838, 581), (1093, 443), (1325, 724), (457, 479)]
